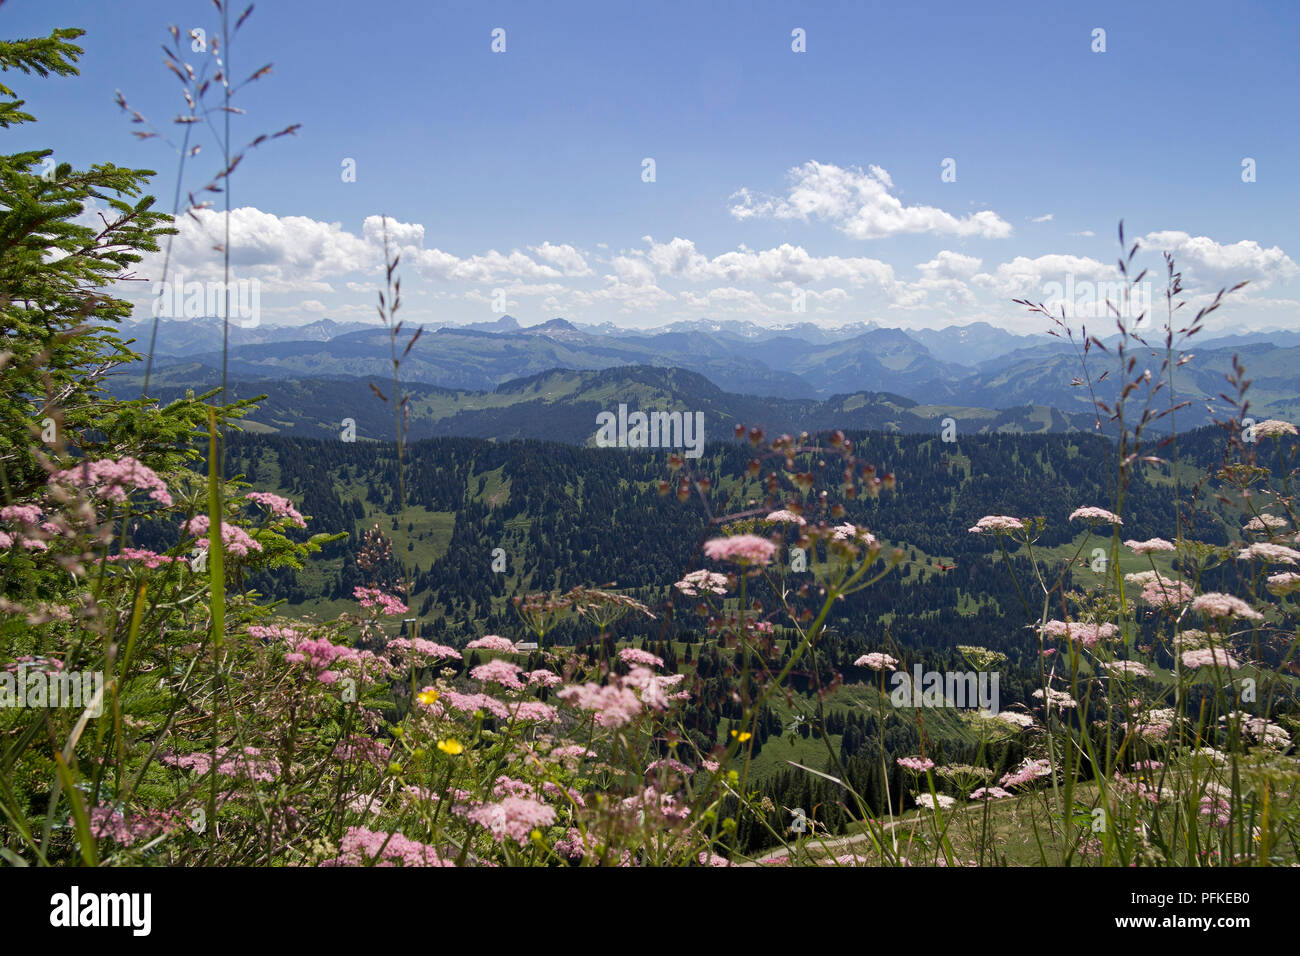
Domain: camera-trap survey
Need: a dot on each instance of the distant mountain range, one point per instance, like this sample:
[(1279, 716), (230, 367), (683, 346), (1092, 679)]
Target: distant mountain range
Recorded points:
[(562, 405), (975, 366)]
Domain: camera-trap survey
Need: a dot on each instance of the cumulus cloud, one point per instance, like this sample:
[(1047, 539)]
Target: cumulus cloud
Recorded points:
[(297, 253), (565, 257), (1023, 277), (861, 205), (784, 263), (1203, 260), (950, 265)]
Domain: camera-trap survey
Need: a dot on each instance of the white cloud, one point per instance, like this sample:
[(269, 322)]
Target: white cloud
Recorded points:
[(568, 259), (861, 205), (1023, 277), (784, 263), (1202, 260), (950, 265), (1047, 217)]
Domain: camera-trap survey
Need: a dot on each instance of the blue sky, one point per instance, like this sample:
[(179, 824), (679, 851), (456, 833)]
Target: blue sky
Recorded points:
[(778, 174)]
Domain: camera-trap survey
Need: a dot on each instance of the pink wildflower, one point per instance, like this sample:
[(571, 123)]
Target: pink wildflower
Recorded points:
[(877, 661), (990, 793), (419, 651), (1271, 553), (373, 597), (1147, 547), (149, 559), (513, 818), (1095, 514), (742, 549), (702, 582), (469, 703), (614, 705), (114, 480), (1214, 604), (534, 711), (498, 672), (234, 539), (997, 523), (917, 764), (631, 655), (280, 507), (490, 642), (1209, 657), (784, 517), (1166, 593), (1028, 771), (27, 516), (362, 847), (1274, 428)]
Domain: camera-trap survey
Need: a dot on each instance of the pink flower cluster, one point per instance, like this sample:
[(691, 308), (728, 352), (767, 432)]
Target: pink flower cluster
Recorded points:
[(1210, 657), (27, 516), (418, 650), (1147, 547), (490, 642), (529, 711), (1214, 604), (916, 764), (499, 672), (362, 749), (997, 523), (702, 582), (877, 661), (1087, 635), (1274, 428), (280, 507), (107, 822), (373, 597), (614, 705), (990, 793), (785, 516), (1029, 770), (114, 480), (513, 818), (264, 632), (320, 654), (631, 655), (149, 559), (247, 763), (1270, 553), (1135, 668), (469, 703), (234, 539), (362, 847), (745, 549), (1164, 592), (1095, 514)]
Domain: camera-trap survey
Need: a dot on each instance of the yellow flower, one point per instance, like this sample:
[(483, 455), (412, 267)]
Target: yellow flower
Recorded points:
[(451, 746), (427, 696), (742, 735)]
